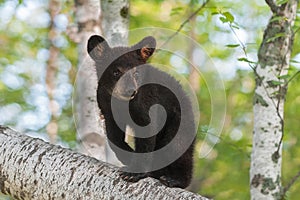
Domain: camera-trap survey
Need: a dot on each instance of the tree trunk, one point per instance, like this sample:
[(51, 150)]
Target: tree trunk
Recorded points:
[(90, 129), (115, 21), (33, 169), (114, 24), (273, 63)]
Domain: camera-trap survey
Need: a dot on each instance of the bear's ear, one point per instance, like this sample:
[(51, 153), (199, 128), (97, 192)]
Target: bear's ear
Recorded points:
[(96, 46), (146, 47)]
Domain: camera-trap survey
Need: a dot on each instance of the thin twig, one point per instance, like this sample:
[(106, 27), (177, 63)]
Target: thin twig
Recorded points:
[(294, 76), (282, 91), (289, 185), (184, 23), (234, 146), (296, 31), (240, 42), (281, 119), (243, 47)]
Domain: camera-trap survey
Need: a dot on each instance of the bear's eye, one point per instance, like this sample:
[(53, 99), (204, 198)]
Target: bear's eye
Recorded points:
[(117, 73)]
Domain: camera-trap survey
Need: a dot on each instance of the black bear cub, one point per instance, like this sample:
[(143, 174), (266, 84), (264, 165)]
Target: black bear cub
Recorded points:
[(133, 93)]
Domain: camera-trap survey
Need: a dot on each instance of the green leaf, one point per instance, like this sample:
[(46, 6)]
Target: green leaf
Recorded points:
[(228, 16), (280, 2), (277, 18), (232, 45), (246, 60), (294, 61), (223, 19), (259, 99), (204, 129), (215, 13), (276, 83), (278, 35), (176, 10), (284, 77)]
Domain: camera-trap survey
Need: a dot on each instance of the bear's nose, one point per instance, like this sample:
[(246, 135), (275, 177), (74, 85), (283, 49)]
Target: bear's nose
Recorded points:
[(134, 93), (131, 92)]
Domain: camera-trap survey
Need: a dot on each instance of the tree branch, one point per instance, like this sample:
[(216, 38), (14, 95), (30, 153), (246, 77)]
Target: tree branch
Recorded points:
[(293, 77), (33, 169), (184, 23), (272, 4)]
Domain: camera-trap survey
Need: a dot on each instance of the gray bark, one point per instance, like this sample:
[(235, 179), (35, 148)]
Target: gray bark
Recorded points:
[(115, 21), (274, 56), (33, 169), (114, 26), (90, 130)]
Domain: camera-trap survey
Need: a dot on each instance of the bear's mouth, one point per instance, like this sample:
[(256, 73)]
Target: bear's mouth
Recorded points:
[(133, 94), (124, 97)]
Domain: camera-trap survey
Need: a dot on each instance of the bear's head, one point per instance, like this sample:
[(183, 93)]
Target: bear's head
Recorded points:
[(117, 67)]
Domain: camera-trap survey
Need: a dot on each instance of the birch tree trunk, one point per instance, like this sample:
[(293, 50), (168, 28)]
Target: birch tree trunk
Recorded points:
[(33, 169), (90, 130), (273, 63), (115, 21), (114, 24)]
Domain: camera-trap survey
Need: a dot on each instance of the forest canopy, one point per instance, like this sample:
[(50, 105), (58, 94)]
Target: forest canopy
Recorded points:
[(229, 33)]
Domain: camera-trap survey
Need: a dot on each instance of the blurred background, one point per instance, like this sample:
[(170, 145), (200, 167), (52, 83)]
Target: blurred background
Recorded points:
[(222, 28)]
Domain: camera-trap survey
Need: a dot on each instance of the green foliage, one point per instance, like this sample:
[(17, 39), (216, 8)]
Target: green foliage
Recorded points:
[(176, 11), (232, 45), (258, 99), (227, 17), (24, 56), (291, 140), (246, 60), (277, 35), (224, 173), (280, 2)]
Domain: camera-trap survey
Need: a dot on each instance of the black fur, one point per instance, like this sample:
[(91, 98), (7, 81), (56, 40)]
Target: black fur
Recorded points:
[(111, 64)]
